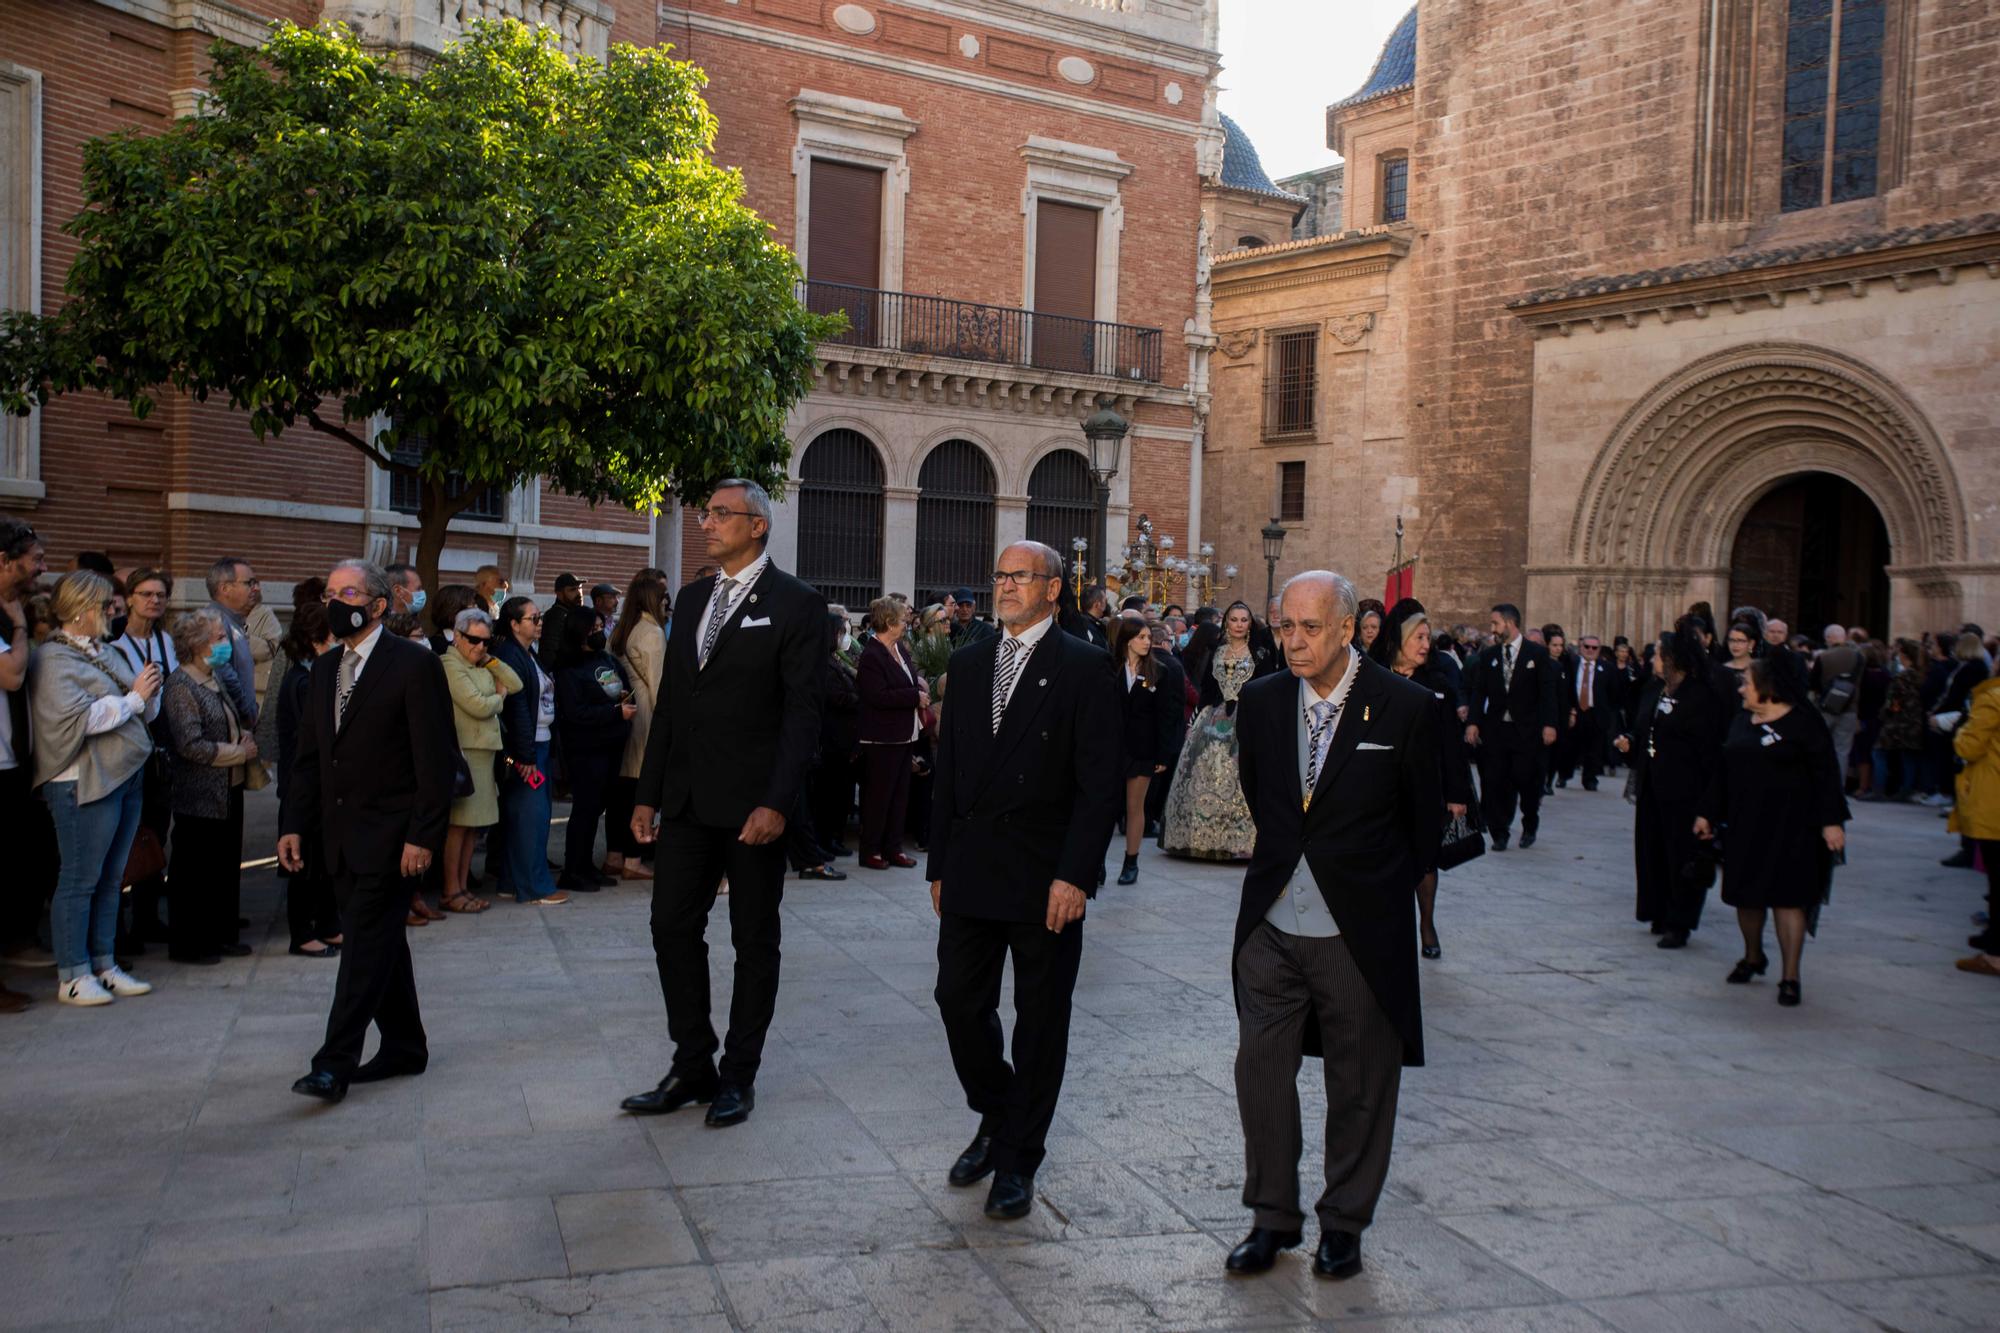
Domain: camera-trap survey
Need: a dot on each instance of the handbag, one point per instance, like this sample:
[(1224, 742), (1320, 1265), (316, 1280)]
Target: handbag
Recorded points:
[(461, 776), (146, 859), (1463, 841)]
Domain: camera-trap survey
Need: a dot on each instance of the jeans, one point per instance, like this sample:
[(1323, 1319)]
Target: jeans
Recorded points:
[(524, 826), (95, 839)]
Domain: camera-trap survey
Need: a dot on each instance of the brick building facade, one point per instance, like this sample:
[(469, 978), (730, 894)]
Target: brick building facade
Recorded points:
[(1700, 304), (962, 131)]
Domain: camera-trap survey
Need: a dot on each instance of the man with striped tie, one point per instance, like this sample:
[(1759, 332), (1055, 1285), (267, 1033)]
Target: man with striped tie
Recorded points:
[(371, 785), (1340, 768), (732, 740), (1025, 792)]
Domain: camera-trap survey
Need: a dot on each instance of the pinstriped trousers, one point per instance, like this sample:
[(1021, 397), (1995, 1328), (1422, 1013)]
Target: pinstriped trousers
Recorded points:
[(1282, 982)]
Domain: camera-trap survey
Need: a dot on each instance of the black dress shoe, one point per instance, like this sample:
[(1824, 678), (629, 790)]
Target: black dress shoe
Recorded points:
[(605, 881), (975, 1163), (1500, 843), (1338, 1256), (1984, 941), (576, 884), (672, 1094), (322, 1085), (822, 872), (1012, 1195), (1673, 939), (1433, 951), (1745, 969), (1590, 786), (1259, 1250), (1958, 860), (329, 951), (1527, 841), (380, 1068), (732, 1105), (1788, 993)]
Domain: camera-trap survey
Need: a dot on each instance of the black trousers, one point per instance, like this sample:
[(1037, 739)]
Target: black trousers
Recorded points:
[(1510, 770), (1016, 1103), (157, 815), (309, 908), (833, 798), (802, 843), (688, 867), (590, 774), (376, 983), (885, 799), (619, 796), (205, 883), (31, 880), (1590, 742), (1282, 981)]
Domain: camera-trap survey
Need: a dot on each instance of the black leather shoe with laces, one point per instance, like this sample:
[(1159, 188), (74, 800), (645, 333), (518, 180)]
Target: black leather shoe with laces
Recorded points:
[(672, 1094), (1338, 1256), (1259, 1250), (975, 1163), (1012, 1195), (732, 1105)]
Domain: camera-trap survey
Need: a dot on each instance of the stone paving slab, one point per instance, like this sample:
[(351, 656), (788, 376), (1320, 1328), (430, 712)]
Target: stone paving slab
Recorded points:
[(1606, 1137)]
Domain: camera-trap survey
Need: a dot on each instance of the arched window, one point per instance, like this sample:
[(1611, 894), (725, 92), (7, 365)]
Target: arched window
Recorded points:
[(1833, 100), (1250, 242), (955, 522), (840, 518), (1062, 502)]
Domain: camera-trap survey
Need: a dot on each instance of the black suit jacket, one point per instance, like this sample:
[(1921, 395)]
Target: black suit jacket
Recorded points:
[(1372, 832), (1603, 690), (1152, 714), (1535, 698), (740, 734), (385, 779), (1016, 811)]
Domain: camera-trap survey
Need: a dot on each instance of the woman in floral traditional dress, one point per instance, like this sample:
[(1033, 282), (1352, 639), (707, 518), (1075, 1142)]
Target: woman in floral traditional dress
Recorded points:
[(1207, 817)]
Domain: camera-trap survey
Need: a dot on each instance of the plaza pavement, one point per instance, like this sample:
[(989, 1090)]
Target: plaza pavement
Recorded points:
[(1606, 1136)]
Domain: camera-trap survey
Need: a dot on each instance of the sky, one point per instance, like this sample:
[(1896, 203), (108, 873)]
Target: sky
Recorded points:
[(1283, 61)]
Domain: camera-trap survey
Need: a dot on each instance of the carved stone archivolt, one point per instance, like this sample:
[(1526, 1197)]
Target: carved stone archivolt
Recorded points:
[(1238, 343), (1349, 330), (1672, 484)]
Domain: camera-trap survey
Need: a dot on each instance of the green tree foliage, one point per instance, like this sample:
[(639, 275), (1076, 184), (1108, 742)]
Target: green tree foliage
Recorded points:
[(527, 262)]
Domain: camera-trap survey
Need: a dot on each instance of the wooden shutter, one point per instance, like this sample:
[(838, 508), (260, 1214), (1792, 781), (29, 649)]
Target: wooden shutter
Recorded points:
[(845, 225), (1065, 260)]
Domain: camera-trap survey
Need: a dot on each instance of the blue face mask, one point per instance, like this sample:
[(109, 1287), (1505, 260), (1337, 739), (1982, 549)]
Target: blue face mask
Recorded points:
[(417, 602), (218, 654), (1181, 640)]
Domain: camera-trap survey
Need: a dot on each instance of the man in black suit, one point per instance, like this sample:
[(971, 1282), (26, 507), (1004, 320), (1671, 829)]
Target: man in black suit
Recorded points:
[(732, 741), (371, 783), (1594, 687), (1514, 705), (1025, 791), (1339, 761)]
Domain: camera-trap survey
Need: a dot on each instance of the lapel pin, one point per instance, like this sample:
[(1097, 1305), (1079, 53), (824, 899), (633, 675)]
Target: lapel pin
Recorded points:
[(753, 599), (1364, 712), (1043, 682)]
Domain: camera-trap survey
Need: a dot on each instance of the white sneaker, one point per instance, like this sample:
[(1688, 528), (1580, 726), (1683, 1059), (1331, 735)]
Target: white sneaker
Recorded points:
[(122, 983), (84, 990)]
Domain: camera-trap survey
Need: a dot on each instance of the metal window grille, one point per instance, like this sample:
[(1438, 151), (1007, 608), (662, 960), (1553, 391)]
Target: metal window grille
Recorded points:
[(1062, 502), (1395, 189), (406, 492), (955, 522), (1290, 378), (1003, 335), (1833, 80), (840, 518), (1291, 492)]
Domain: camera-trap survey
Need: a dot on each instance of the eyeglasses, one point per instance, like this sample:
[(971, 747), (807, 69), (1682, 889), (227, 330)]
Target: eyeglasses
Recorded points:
[(718, 513), (532, 619), (248, 583), (349, 595), (1019, 578)]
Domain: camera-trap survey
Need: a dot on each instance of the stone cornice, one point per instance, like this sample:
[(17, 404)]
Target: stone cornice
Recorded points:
[(907, 377), (1348, 254), (214, 18)]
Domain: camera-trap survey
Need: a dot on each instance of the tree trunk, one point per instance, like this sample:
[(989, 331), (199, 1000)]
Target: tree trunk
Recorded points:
[(435, 511)]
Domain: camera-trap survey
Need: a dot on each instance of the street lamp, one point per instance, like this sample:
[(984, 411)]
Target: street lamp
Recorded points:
[(1105, 430), (1274, 546)]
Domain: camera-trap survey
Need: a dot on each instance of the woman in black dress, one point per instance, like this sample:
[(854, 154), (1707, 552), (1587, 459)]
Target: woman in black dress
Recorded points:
[(1777, 794), (1148, 737), (1404, 646), (1673, 746), (594, 710)]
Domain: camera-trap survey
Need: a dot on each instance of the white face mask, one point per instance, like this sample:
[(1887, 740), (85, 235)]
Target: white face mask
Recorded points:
[(846, 640)]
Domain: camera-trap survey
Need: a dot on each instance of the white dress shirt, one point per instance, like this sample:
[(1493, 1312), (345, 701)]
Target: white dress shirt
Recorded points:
[(1029, 637), (1301, 909)]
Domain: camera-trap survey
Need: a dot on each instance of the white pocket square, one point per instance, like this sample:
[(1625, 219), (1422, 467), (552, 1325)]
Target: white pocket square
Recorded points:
[(1371, 745), (758, 623)]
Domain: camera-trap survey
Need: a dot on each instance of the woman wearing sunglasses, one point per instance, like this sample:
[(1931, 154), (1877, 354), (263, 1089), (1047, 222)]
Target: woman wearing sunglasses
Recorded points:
[(480, 683)]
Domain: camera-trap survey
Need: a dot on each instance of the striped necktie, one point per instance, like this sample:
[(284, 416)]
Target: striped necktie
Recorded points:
[(718, 611), (1319, 726), (350, 670), (1004, 671)]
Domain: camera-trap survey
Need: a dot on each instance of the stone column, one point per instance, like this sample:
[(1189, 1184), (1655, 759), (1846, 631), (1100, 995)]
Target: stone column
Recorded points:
[(1010, 522), (784, 544), (899, 539)]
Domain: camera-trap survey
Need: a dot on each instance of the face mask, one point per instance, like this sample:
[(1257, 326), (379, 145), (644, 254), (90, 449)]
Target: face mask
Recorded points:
[(846, 641), (595, 641), (346, 621), (218, 654), (417, 602), (1181, 641)]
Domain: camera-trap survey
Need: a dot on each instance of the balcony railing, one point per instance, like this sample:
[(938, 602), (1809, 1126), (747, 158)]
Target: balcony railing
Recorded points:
[(1004, 335)]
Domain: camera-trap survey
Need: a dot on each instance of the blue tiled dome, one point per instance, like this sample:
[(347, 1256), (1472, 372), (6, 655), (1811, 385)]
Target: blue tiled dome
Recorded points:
[(1241, 167), (1396, 68)]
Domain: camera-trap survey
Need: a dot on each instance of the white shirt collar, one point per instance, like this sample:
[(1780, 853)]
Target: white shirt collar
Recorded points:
[(1308, 695), (367, 645), (747, 575), (1032, 635)]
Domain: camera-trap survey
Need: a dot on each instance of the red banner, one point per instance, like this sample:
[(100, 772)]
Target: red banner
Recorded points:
[(1402, 583)]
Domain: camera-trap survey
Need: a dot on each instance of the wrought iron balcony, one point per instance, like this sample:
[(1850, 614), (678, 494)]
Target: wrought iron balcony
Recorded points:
[(1001, 335)]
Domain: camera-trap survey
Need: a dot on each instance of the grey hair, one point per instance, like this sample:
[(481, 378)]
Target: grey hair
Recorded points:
[(374, 578), (223, 571), (1345, 603), (192, 632), (1052, 566), (755, 497), (469, 617)]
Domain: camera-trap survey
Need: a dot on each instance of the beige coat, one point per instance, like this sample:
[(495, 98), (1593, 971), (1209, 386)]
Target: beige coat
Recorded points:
[(476, 698), (645, 660)]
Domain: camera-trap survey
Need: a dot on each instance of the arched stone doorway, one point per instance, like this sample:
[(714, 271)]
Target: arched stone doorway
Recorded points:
[(1657, 519), (1813, 551)]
